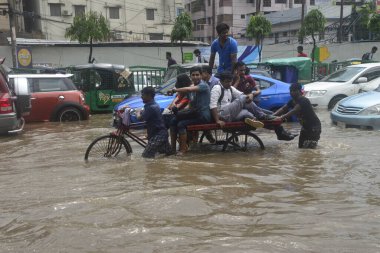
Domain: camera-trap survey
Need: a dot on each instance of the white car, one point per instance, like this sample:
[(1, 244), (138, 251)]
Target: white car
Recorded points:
[(343, 83)]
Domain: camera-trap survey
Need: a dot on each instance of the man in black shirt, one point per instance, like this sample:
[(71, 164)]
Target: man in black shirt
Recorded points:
[(302, 108)]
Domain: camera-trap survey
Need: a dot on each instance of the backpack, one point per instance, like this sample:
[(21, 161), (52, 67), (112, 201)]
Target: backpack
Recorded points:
[(365, 56)]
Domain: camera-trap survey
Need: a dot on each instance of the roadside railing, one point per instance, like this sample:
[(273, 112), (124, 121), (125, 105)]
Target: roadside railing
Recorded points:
[(144, 76)]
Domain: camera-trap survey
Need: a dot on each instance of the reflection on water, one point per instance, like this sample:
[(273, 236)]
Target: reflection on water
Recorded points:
[(281, 199)]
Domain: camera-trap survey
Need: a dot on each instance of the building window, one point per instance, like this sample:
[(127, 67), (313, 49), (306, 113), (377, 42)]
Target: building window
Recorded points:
[(297, 1), (179, 11), (156, 36), (79, 10), (208, 2), (250, 1), (285, 34), (187, 7), (225, 3), (149, 14), (114, 12), (55, 10), (280, 1), (242, 16), (267, 3), (209, 21), (312, 2)]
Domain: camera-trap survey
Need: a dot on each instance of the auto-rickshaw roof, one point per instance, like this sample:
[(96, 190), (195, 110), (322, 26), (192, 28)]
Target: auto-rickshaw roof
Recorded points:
[(302, 64), (107, 66)]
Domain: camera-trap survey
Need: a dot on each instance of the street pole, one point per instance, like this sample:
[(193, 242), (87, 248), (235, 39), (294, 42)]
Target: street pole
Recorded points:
[(213, 20), (12, 31), (340, 36), (302, 17)]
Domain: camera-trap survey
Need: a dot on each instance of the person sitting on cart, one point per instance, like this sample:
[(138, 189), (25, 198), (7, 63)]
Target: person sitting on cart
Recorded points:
[(200, 101), (181, 100), (157, 132), (301, 106), (229, 104), (208, 77), (244, 82)]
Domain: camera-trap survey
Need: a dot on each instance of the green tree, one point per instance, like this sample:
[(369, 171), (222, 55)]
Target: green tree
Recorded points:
[(258, 27), (89, 28), (314, 24), (374, 25), (182, 29)]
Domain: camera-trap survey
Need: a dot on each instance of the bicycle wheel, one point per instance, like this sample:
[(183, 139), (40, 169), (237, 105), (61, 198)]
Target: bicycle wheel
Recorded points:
[(243, 141), (108, 147)]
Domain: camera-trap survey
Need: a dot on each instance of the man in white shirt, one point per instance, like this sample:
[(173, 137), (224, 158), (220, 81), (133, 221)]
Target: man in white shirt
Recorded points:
[(198, 57), (229, 104)]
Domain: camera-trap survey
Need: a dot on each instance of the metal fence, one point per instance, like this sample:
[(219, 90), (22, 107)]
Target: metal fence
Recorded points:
[(144, 76)]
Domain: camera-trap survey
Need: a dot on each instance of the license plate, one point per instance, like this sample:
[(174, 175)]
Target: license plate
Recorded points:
[(341, 124)]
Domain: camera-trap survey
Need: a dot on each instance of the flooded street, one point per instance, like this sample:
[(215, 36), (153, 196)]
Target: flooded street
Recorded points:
[(281, 199)]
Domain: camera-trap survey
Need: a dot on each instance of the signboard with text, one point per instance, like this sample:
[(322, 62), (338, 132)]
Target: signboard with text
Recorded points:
[(24, 57)]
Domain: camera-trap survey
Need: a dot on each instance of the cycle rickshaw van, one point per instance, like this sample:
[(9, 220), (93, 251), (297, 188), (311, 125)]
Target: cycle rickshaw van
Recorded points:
[(289, 70), (104, 85)]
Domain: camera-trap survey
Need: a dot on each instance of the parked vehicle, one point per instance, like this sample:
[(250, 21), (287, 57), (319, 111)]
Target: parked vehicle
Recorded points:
[(359, 111), (104, 85), (342, 83), (54, 97), (274, 94), (289, 70), (11, 107)]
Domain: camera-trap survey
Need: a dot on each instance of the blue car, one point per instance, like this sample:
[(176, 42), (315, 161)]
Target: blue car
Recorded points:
[(358, 111), (274, 94)]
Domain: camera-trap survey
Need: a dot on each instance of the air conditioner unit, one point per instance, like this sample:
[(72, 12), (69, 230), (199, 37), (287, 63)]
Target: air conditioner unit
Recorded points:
[(118, 36), (66, 13)]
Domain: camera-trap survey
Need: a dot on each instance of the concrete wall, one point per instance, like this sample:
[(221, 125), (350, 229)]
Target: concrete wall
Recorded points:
[(155, 56)]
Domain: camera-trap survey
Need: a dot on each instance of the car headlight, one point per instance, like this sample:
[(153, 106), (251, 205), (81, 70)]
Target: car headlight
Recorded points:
[(315, 93), (372, 110)]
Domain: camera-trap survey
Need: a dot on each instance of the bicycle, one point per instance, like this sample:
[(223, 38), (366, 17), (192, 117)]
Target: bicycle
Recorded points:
[(116, 144)]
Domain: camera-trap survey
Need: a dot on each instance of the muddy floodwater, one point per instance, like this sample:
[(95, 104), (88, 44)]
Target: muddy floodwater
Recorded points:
[(281, 199)]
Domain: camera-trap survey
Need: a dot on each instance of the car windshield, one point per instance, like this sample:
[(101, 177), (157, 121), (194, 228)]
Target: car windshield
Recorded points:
[(343, 75)]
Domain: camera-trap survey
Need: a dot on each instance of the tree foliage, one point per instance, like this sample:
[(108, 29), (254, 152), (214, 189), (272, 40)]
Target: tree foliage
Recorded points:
[(89, 28), (258, 27), (314, 24), (374, 24), (182, 29)]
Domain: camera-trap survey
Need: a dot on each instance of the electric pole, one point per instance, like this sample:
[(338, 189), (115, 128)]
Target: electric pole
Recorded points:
[(12, 27), (302, 17), (340, 35)]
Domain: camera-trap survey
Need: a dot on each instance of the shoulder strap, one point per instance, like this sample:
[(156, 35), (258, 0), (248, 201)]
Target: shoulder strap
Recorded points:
[(222, 94)]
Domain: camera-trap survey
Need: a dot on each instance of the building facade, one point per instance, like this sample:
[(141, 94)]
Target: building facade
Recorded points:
[(236, 13), (129, 20)]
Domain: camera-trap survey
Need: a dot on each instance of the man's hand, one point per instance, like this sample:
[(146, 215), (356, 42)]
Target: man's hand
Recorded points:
[(221, 123), (249, 98)]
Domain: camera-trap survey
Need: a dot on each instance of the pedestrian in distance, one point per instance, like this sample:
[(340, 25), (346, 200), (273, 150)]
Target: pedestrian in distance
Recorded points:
[(198, 57), (157, 132), (300, 52), (369, 56), (226, 47), (171, 61), (302, 108)]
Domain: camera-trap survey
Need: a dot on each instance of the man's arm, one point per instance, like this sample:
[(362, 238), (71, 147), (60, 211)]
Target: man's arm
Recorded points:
[(215, 116), (211, 60)]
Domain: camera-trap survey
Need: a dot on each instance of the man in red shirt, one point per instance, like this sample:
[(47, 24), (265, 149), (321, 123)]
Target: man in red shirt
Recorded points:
[(300, 52)]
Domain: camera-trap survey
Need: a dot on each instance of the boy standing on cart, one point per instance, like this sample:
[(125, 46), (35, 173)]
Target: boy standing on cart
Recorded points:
[(157, 132)]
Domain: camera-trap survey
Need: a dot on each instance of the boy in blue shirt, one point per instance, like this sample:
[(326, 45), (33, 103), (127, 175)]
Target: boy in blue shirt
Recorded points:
[(226, 47), (157, 132)]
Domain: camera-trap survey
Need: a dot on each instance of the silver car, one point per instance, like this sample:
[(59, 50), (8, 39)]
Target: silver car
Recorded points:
[(360, 111)]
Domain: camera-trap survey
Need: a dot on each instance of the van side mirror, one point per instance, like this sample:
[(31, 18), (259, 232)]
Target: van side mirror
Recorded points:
[(362, 80)]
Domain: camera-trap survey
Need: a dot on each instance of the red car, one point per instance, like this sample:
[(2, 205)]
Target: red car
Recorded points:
[(54, 97)]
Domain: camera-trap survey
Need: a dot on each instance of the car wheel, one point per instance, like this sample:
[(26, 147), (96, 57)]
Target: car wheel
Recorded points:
[(333, 101), (69, 114)]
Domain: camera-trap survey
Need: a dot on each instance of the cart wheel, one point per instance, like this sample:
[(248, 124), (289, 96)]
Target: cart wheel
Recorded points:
[(108, 147), (243, 141)]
